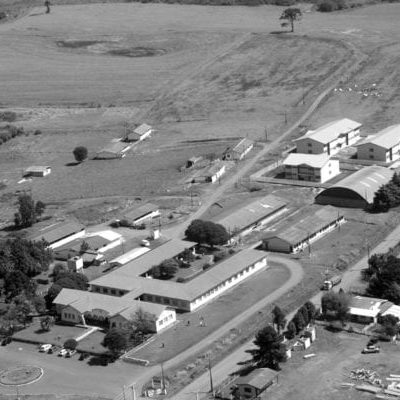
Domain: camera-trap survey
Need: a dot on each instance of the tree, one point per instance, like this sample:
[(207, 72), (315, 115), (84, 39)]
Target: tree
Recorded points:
[(291, 330), (116, 340), (46, 323), (70, 344), (304, 312), (206, 232), (142, 321), (16, 282), (312, 311), (390, 325), (166, 270), (84, 247), (291, 14), (39, 304), (26, 214), (80, 153), (336, 304), (20, 309), (270, 350), (71, 280), (51, 294), (278, 319), (39, 208), (299, 322)]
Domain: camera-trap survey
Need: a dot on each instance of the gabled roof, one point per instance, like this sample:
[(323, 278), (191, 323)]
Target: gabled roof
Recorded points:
[(37, 168), (312, 160), (386, 138), (140, 211), (364, 182), (56, 232), (315, 219), (84, 301), (392, 310), (142, 129), (252, 213), (259, 378), (331, 131), (124, 277), (243, 145), (115, 147), (215, 168)]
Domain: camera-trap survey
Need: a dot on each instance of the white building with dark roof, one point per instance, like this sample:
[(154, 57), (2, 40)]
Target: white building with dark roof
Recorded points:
[(37, 170), (239, 150), (295, 236), (79, 307), (255, 383), (329, 138), (253, 215), (113, 150), (142, 213), (141, 132), (310, 167), (384, 146)]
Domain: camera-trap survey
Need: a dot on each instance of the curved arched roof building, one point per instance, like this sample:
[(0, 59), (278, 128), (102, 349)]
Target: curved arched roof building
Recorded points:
[(356, 190)]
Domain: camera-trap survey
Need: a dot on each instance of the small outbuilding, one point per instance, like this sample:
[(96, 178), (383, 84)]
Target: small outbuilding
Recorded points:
[(140, 133), (367, 309), (255, 383), (356, 190), (113, 150), (239, 150), (37, 170), (142, 213)]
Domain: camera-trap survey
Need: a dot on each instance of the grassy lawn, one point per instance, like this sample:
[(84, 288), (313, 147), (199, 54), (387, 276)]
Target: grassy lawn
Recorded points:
[(215, 314), (57, 335), (92, 343)]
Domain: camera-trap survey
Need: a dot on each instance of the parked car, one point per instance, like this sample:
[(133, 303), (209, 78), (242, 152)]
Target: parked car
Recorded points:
[(62, 352), (70, 353), (44, 348), (52, 349), (6, 340), (371, 350), (145, 243)]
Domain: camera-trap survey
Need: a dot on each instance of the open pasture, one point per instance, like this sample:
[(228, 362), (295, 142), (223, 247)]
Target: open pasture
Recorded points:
[(195, 73)]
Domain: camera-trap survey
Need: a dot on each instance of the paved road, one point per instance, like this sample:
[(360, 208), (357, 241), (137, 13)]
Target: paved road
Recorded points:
[(220, 371)]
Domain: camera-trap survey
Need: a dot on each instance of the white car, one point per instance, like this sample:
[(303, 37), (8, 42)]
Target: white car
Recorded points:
[(62, 352), (45, 347), (145, 243)]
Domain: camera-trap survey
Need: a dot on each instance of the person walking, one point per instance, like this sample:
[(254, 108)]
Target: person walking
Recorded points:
[(47, 5)]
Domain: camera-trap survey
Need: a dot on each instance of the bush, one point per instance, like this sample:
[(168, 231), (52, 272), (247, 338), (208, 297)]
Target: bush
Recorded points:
[(220, 255), (326, 6), (180, 280), (8, 116), (37, 132), (70, 344), (125, 223)]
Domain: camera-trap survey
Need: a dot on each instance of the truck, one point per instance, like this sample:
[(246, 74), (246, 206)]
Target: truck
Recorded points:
[(330, 283)]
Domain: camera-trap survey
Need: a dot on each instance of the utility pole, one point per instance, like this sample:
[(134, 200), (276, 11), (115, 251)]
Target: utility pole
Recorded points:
[(211, 380), (162, 379)]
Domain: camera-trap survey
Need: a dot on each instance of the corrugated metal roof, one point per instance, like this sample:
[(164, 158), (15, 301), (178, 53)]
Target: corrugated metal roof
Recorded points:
[(115, 147), (56, 232), (316, 219), (142, 129), (331, 131), (259, 378), (243, 145), (252, 213), (365, 182), (124, 279), (138, 212), (312, 160), (386, 138)]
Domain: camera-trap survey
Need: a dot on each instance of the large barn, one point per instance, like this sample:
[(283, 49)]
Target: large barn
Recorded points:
[(356, 190)]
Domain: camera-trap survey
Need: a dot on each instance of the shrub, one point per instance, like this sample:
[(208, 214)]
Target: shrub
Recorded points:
[(70, 344), (180, 280), (37, 132), (8, 116), (125, 223), (326, 6), (220, 255)]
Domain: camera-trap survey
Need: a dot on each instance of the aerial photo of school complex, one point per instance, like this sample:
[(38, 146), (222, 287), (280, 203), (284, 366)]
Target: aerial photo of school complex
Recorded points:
[(199, 200)]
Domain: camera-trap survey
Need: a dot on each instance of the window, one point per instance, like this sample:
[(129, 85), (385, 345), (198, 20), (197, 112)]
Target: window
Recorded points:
[(309, 144), (371, 156), (113, 291), (121, 292), (371, 149), (247, 390), (309, 151)]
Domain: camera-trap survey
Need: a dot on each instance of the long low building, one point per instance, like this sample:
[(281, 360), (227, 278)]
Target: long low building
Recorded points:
[(82, 307), (142, 213), (310, 167), (356, 190), (254, 215), (186, 296), (59, 234), (384, 146), (298, 235)]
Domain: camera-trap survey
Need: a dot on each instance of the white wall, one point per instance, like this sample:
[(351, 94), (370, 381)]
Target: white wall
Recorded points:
[(68, 239), (329, 170)]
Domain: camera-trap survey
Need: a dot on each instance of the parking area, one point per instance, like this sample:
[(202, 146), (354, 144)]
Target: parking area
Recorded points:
[(67, 375)]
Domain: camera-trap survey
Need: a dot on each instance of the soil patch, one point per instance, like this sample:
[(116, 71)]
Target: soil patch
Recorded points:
[(77, 44), (137, 52)]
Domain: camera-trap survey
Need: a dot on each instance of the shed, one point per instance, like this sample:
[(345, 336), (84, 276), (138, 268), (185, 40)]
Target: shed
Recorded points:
[(256, 382), (113, 150), (141, 132), (37, 170), (239, 150), (142, 213)]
